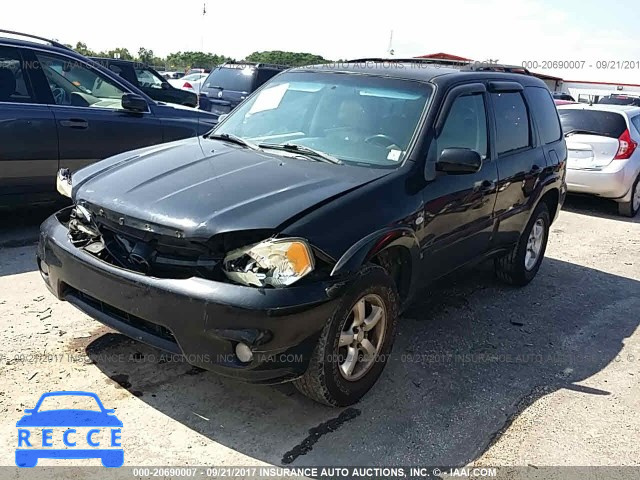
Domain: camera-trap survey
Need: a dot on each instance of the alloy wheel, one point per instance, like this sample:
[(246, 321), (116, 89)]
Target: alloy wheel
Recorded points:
[(362, 337)]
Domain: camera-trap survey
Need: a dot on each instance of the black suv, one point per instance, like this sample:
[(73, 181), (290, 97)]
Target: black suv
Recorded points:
[(284, 244), (230, 83), (149, 81), (59, 109)]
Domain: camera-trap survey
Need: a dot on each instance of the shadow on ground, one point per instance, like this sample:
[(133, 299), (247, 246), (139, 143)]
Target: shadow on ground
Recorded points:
[(20, 227), (468, 359), (596, 207)]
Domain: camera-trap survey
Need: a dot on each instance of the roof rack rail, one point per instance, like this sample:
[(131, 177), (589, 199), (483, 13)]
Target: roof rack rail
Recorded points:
[(405, 60), (35, 37), (255, 64), (475, 66), (495, 67)]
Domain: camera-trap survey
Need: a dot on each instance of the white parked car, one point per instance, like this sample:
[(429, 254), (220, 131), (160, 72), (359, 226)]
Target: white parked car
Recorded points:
[(604, 158), (173, 75), (192, 82)]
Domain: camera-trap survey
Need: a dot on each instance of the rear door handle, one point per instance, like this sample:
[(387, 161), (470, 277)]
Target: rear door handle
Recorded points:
[(75, 123), (487, 186)]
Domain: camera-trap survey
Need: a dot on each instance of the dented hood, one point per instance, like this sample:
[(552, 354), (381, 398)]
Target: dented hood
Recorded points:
[(203, 187)]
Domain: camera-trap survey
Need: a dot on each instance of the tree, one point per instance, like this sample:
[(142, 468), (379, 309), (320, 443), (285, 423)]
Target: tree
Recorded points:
[(121, 53), (184, 60), (286, 58), (146, 56), (82, 49)]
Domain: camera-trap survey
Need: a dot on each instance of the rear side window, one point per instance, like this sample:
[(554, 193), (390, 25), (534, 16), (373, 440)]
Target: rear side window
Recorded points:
[(237, 78), (607, 124), (13, 84), (512, 122), (265, 74), (545, 113)]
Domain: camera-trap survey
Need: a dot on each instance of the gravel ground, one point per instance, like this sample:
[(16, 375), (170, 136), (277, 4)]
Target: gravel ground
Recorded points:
[(481, 373)]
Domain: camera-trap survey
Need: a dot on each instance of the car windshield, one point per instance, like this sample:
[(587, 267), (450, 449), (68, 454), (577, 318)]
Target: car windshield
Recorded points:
[(620, 100), (65, 402), (607, 124), (360, 119), (238, 78)]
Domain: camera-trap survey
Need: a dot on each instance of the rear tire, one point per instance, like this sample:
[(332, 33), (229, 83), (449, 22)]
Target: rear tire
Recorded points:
[(330, 377), (520, 266), (630, 208)]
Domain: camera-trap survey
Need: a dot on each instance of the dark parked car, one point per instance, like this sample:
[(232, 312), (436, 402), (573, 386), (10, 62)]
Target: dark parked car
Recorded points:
[(230, 83), (562, 96), (284, 244), (618, 99), (60, 110), (149, 81)]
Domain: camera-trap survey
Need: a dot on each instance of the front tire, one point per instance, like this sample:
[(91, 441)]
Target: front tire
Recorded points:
[(521, 265), (355, 343), (631, 208)]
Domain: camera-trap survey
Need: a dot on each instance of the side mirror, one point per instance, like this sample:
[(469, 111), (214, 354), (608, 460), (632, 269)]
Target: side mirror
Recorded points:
[(165, 86), (458, 161), (29, 410), (134, 103), (222, 117)]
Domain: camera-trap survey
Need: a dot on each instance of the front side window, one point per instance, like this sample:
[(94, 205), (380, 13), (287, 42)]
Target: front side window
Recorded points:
[(465, 126), (13, 84), (75, 84), (512, 122), (359, 119)]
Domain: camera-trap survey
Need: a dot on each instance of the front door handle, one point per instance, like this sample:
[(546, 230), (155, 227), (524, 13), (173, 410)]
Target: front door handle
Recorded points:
[(75, 123)]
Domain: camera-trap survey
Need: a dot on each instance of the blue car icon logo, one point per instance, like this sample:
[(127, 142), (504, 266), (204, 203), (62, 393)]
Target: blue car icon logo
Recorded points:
[(85, 432)]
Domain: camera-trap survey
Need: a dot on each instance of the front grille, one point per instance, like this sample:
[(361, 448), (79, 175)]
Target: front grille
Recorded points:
[(150, 253), (136, 322)]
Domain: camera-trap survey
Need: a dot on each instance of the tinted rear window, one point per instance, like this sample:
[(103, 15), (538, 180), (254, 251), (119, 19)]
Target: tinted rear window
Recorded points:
[(545, 113), (238, 78), (607, 124)]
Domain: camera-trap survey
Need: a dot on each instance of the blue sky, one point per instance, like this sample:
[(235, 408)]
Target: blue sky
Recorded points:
[(511, 31)]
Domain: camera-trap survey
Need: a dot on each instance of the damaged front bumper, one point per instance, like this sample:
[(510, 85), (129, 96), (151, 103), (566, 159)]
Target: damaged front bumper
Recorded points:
[(202, 319)]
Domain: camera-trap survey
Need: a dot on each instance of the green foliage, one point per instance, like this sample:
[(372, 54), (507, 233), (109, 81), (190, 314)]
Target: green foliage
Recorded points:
[(286, 58), (184, 60), (145, 56), (84, 50)]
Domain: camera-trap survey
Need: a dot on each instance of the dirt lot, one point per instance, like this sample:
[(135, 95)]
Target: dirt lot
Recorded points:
[(483, 373)]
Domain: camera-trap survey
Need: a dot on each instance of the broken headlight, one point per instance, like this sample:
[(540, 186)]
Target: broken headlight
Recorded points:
[(63, 182), (274, 262)]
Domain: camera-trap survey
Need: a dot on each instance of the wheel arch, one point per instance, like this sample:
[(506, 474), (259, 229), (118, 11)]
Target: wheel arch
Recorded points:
[(397, 250), (552, 198)]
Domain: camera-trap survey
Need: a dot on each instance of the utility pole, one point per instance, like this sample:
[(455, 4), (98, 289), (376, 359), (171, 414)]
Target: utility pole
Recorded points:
[(390, 50), (204, 14)]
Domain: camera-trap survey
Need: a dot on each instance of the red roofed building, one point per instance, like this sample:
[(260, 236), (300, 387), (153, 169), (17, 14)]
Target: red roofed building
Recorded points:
[(446, 56)]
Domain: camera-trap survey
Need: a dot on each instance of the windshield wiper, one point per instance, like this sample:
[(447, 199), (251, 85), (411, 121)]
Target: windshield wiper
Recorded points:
[(310, 152), (228, 137), (583, 132)]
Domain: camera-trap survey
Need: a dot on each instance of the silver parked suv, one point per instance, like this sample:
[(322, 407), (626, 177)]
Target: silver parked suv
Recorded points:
[(604, 158)]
